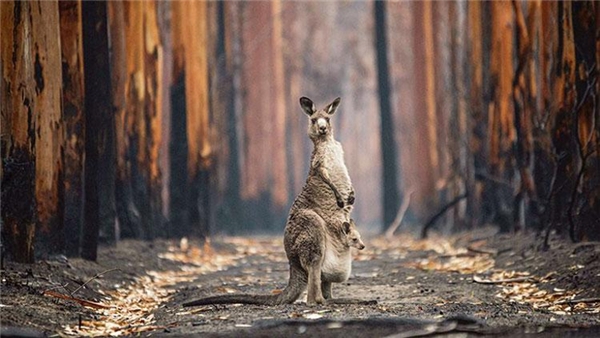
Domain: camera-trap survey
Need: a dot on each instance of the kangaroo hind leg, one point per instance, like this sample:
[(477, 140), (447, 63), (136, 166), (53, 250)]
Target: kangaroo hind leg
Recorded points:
[(314, 294), (326, 289)]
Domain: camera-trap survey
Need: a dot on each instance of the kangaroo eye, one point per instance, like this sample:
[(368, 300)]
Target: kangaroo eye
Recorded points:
[(355, 239), (327, 119), (313, 121)]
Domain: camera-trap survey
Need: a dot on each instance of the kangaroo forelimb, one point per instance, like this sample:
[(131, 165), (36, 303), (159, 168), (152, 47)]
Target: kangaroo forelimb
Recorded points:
[(350, 199), (324, 174)]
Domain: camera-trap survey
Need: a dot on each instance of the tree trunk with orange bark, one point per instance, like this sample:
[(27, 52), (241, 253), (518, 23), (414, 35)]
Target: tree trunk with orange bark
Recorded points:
[(122, 30), (500, 174), (264, 182), (462, 180), (444, 32), (426, 149), (49, 127), (138, 123), (18, 137), (477, 146), (190, 184), (32, 173), (404, 99), (152, 117)]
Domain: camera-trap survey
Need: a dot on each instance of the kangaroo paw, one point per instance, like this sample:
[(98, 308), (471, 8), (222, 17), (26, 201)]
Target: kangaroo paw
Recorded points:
[(351, 199)]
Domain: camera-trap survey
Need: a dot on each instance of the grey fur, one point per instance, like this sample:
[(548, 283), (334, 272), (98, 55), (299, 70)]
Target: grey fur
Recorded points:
[(319, 232)]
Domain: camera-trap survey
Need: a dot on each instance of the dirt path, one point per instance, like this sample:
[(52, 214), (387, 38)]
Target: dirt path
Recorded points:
[(438, 285)]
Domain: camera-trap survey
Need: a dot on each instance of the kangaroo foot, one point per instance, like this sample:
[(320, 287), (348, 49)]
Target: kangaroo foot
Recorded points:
[(316, 301)]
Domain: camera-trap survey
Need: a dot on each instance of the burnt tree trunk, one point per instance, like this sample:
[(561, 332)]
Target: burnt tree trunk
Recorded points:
[(463, 177), (500, 116), (584, 208), (32, 110), (562, 131), (190, 186), (478, 122), (18, 137), (74, 122), (137, 124), (152, 116), (49, 128), (178, 149), (391, 200), (404, 105), (120, 35), (227, 49), (100, 211), (524, 105), (426, 148)]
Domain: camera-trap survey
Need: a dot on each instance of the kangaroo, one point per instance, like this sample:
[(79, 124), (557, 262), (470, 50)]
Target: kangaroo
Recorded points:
[(311, 245), (319, 232)]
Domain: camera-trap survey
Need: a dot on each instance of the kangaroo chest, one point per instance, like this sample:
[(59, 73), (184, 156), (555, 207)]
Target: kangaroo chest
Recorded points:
[(333, 160)]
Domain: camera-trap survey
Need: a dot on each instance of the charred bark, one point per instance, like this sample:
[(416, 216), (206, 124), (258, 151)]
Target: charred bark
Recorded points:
[(391, 200), (100, 211), (74, 122), (18, 137), (584, 217), (31, 149), (127, 212), (153, 115), (178, 209), (563, 130)]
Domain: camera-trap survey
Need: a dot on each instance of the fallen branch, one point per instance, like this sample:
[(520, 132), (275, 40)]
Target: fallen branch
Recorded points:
[(91, 279), (399, 216), (440, 213), (80, 301), (492, 252), (352, 301), (582, 300), (481, 280)]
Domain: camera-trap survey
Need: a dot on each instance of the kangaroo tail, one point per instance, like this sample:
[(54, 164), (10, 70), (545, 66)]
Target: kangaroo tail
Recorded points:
[(287, 296), (292, 291), (235, 299)]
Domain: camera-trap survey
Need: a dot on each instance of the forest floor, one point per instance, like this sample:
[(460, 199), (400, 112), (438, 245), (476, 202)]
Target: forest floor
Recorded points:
[(473, 283)]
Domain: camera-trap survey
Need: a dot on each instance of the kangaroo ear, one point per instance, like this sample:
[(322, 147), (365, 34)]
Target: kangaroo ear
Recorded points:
[(346, 228), (331, 108), (307, 105)]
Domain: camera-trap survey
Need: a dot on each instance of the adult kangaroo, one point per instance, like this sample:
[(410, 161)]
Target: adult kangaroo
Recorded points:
[(319, 232)]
